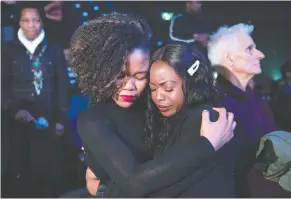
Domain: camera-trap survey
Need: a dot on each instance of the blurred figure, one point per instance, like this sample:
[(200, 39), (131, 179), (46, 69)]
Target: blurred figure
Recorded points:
[(191, 27), (34, 101), (281, 102), (233, 52)]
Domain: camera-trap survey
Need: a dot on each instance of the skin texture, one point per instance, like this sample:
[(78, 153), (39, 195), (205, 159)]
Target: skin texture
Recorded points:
[(166, 88), (30, 23), (134, 80)]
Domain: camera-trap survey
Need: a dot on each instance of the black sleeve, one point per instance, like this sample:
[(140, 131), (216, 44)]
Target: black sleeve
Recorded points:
[(9, 105), (99, 136), (62, 86), (193, 120)]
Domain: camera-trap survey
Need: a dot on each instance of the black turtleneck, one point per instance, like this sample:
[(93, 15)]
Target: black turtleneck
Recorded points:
[(112, 137)]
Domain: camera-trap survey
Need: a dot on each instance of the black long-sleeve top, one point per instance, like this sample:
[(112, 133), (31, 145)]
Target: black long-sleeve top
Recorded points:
[(112, 137), (215, 177)]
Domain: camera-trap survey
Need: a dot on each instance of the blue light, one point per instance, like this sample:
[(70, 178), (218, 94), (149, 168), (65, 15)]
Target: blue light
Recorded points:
[(77, 5), (72, 74), (159, 43), (69, 69), (104, 14), (96, 8), (85, 22), (85, 14), (41, 123), (108, 3), (73, 81), (167, 15)]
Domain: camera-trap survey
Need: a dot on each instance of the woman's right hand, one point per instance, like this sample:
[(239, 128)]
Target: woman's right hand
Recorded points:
[(219, 132), (92, 182)]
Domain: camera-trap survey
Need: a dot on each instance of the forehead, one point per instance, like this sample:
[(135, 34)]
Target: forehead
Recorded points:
[(244, 40), (26, 12), (138, 61), (161, 71)]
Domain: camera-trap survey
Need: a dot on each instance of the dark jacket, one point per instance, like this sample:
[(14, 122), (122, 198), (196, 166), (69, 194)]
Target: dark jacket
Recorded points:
[(281, 106), (254, 120), (113, 136), (33, 153), (17, 88)]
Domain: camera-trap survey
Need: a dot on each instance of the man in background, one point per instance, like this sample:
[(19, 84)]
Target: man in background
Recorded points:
[(34, 101), (191, 27), (281, 102), (234, 54)]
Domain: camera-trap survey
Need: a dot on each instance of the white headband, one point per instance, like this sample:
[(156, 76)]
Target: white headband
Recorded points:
[(194, 68)]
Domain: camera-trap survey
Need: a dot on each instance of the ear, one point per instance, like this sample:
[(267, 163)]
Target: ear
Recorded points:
[(229, 58)]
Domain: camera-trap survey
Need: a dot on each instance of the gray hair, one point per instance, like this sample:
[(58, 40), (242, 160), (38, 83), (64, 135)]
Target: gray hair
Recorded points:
[(225, 38)]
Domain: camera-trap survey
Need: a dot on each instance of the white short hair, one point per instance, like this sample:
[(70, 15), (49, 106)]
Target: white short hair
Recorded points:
[(225, 38)]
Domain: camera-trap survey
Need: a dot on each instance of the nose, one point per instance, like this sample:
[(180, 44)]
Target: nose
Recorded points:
[(260, 55), (160, 96), (130, 84), (30, 24)]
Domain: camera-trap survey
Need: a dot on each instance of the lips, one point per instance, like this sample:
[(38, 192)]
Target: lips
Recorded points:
[(163, 108), (127, 98)]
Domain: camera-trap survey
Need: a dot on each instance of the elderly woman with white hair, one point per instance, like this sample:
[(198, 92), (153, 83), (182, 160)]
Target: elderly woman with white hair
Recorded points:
[(234, 55)]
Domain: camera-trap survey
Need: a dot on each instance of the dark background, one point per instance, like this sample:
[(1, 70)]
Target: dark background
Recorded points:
[(272, 21)]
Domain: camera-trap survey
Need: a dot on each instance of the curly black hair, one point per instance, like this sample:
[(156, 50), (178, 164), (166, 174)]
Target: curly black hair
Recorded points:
[(99, 51), (198, 89)]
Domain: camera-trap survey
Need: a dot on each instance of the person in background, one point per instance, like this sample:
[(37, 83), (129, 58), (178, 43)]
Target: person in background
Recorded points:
[(191, 27), (281, 102), (236, 58), (34, 84)]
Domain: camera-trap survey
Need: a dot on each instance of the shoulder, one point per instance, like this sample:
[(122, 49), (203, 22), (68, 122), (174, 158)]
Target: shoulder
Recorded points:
[(195, 112), (93, 120), (93, 113)]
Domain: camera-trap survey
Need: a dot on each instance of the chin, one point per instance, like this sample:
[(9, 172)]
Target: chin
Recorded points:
[(167, 114), (124, 104)]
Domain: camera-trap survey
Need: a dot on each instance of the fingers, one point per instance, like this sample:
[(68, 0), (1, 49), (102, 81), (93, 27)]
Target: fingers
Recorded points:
[(230, 118), (205, 117), (222, 113), (233, 125)]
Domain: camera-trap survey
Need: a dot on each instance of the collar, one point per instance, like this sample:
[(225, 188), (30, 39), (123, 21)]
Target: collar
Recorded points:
[(30, 45), (232, 90)]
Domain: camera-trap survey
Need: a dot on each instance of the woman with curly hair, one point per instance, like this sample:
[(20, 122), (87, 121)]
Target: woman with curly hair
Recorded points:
[(111, 56)]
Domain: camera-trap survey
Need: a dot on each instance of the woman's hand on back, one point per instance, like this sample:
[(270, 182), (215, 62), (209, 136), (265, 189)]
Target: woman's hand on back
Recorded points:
[(219, 132)]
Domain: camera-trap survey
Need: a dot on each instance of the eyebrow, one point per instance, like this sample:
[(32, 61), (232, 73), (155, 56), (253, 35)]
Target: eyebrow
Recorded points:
[(163, 83), (251, 46)]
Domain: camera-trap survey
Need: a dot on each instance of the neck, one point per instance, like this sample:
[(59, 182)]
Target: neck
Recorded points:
[(239, 80)]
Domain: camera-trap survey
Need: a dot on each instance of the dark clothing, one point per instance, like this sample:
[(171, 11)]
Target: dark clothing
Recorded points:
[(281, 106), (18, 90), (254, 119), (215, 174), (113, 136), (35, 156), (189, 24)]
